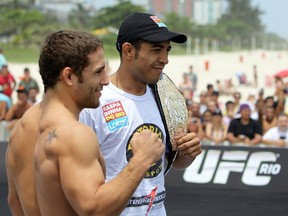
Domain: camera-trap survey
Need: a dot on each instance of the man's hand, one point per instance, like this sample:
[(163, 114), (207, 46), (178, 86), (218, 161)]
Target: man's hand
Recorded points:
[(189, 148), (147, 146)]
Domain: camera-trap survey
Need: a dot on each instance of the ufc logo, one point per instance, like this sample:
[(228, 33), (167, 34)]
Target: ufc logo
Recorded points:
[(215, 166)]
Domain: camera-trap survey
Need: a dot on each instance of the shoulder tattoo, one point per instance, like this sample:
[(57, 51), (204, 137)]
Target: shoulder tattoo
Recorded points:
[(51, 135)]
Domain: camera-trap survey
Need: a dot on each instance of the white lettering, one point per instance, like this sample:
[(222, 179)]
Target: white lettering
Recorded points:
[(212, 166), (250, 176), (225, 167), (198, 174), (118, 123)]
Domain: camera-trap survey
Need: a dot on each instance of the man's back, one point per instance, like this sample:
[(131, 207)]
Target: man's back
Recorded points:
[(62, 145), (20, 164)]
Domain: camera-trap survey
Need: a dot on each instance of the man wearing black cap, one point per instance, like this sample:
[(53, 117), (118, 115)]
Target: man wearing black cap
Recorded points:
[(128, 106)]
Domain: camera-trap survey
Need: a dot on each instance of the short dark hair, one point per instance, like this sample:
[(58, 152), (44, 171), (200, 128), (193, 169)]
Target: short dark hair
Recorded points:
[(268, 98), (137, 45), (209, 86), (215, 93), (65, 48), (229, 102)]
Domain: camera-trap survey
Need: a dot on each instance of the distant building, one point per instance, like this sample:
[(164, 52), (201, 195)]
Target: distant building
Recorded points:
[(180, 7), (207, 11), (202, 12)]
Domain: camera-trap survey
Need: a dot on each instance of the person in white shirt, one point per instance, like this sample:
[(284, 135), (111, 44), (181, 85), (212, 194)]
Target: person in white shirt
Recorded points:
[(278, 135), (128, 106)]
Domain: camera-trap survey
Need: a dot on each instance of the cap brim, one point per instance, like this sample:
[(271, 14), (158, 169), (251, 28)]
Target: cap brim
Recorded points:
[(165, 36)]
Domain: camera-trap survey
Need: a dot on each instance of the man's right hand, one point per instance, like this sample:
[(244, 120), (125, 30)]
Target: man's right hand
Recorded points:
[(147, 146)]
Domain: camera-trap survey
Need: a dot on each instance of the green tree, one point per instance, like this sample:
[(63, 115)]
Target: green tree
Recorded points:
[(241, 21), (79, 18), (24, 25), (113, 16), (179, 24)]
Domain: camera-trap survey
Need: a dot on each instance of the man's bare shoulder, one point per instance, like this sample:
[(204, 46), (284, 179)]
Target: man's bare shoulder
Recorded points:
[(70, 140), (27, 126), (78, 132)]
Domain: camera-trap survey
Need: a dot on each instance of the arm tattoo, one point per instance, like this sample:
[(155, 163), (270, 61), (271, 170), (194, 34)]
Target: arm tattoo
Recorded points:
[(51, 135)]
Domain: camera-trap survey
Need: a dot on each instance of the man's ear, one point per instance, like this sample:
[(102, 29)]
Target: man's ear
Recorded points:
[(128, 50), (67, 75)]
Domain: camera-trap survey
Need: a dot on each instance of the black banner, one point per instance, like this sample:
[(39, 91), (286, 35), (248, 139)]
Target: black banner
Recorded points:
[(235, 167)]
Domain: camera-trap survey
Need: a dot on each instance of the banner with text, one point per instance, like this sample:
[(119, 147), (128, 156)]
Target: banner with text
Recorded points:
[(235, 167)]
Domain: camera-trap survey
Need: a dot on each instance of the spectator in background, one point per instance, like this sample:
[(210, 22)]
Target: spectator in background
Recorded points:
[(220, 87), (279, 96), (19, 108), (215, 97), (28, 82), (255, 75), (229, 112), (269, 118), (269, 101), (216, 130), (3, 109), (260, 104), (252, 98), (244, 129), (278, 135), (257, 114), (206, 118), (212, 106), (237, 99), (5, 104), (210, 90), (194, 125), (193, 78), (7, 81), (32, 94), (229, 86), (185, 87), (195, 109), (5, 98), (203, 102), (3, 60)]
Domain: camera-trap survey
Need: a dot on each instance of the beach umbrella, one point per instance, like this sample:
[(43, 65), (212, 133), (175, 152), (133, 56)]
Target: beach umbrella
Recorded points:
[(282, 74)]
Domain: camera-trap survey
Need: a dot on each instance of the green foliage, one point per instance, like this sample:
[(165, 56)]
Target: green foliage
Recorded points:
[(241, 21), (26, 26), (113, 16), (21, 54), (78, 18), (179, 24)]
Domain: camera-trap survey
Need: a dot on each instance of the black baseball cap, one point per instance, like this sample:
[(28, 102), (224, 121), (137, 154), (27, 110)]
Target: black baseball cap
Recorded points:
[(147, 27), (21, 89)]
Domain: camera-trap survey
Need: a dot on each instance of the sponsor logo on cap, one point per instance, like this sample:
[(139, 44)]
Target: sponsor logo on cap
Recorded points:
[(158, 21)]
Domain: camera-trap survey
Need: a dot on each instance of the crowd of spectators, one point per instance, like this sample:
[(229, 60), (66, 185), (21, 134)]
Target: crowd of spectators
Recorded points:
[(257, 120), (26, 91)]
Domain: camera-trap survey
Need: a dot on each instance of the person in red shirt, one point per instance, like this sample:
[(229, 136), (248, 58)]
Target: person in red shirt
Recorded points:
[(7, 81)]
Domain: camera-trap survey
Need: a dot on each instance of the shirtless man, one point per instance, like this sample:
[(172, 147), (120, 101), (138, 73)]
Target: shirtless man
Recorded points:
[(19, 164), (18, 109), (69, 168)]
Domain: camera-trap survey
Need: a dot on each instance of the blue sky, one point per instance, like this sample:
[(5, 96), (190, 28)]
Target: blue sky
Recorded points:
[(275, 16)]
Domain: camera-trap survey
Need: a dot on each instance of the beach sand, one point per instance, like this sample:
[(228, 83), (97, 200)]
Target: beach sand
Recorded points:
[(221, 66)]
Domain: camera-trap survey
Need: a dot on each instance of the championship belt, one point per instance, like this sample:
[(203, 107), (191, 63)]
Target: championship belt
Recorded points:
[(174, 113)]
